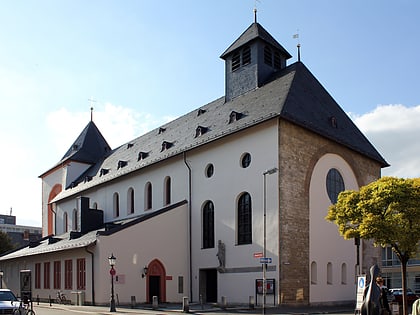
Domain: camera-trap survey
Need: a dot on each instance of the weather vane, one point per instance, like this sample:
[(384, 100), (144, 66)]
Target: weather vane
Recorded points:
[(255, 10), (296, 36)]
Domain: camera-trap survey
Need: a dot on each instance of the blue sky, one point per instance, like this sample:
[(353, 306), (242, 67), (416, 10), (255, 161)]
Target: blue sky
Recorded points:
[(147, 62)]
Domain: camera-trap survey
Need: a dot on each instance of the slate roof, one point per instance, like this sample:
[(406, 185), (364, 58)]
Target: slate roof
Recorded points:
[(253, 32), (58, 243), (293, 94)]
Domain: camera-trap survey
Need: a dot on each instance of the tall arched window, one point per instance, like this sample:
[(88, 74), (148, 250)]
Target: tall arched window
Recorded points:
[(148, 196), (244, 218), (116, 205), (65, 222), (329, 273), (75, 223), (167, 191), (314, 273), (130, 200), (208, 225)]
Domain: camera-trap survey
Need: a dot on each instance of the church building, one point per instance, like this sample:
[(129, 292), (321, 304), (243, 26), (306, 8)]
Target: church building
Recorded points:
[(213, 203)]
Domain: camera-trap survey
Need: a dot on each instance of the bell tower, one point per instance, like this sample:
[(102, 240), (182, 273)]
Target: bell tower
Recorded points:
[(251, 61)]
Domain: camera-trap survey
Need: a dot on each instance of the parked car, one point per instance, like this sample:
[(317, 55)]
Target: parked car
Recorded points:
[(411, 296), (8, 302)]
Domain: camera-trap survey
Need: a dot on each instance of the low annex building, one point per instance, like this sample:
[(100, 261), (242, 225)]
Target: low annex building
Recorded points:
[(186, 208)]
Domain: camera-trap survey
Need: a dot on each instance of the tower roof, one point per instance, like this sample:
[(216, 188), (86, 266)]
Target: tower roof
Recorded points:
[(253, 32), (89, 147)]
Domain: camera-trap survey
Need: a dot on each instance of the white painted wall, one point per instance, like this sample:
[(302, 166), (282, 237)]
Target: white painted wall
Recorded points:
[(326, 244)]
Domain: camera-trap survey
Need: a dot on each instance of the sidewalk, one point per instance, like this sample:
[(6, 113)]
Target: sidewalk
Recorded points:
[(205, 309)]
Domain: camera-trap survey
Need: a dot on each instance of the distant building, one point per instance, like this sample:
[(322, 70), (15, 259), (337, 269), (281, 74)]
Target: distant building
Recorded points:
[(190, 208), (20, 235)]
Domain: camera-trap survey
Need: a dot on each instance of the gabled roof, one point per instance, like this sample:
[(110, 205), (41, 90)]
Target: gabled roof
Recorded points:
[(293, 94), (253, 32), (89, 147)]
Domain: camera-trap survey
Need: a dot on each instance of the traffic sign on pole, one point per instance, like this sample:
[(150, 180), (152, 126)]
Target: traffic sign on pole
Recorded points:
[(265, 260)]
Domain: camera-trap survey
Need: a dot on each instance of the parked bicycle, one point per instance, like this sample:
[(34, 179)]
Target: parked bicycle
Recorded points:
[(61, 298)]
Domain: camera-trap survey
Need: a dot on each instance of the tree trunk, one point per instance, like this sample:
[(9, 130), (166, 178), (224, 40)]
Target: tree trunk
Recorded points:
[(404, 284)]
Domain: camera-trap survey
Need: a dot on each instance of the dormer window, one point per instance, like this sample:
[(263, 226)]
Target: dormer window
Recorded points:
[(142, 155), (333, 122), (88, 179), (200, 130), (103, 171), (161, 130), (201, 112), (241, 58), (121, 164), (234, 116), (130, 145), (166, 145), (75, 147)]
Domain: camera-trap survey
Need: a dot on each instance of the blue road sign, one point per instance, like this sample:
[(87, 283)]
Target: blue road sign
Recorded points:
[(265, 260)]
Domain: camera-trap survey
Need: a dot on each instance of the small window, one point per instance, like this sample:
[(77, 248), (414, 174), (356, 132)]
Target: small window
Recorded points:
[(209, 170), (201, 112), (234, 116), (208, 225), (142, 155), (116, 205), (200, 130), (244, 220), (167, 191), (161, 130), (335, 184), (121, 164), (246, 160), (104, 171), (166, 145), (148, 196), (277, 60)]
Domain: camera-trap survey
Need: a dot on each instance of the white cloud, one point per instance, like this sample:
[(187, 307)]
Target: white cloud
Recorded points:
[(394, 130)]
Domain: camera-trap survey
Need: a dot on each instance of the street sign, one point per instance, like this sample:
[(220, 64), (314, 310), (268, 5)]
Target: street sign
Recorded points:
[(258, 255), (265, 260)]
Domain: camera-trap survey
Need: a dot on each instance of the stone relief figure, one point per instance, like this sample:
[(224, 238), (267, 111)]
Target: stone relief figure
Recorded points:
[(221, 255)]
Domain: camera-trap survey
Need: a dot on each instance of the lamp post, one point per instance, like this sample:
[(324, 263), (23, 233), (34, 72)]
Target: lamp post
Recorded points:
[(267, 172), (1, 279), (111, 260)]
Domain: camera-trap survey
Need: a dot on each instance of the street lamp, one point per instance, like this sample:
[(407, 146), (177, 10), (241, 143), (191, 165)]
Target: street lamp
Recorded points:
[(1, 279), (267, 172), (111, 260)]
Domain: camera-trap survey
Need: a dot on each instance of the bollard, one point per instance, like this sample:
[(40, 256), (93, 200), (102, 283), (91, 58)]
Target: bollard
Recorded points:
[(49, 298), (155, 302), (37, 299), (251, 302), (185, 305), (201, 302), (224, 302), (133, 301)]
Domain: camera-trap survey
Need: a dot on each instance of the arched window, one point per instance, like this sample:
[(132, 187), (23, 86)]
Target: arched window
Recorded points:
[(116, 205), (167, 191), (314, 273), (208, 225), (344, 273), (148, 196), (329, 273), (130, 200), (75, 223), (244, 218), (65, 222), (335, 184)]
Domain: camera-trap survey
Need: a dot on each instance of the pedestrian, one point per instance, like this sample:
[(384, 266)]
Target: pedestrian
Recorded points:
[(383, 299)]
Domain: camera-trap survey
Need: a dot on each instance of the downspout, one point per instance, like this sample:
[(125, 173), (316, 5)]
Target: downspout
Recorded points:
[(93, 275), (189, 223)]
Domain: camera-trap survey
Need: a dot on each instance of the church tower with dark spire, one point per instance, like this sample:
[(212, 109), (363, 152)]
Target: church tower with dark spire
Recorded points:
[(251, 61)]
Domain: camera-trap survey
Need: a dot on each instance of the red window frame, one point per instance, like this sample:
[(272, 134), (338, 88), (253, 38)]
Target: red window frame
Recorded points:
[(46, 275), (81, 274), (38, 276), (68, 274), (57, 275)]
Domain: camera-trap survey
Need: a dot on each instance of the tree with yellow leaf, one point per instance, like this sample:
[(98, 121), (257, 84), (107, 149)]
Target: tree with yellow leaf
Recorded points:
[(387, 212)]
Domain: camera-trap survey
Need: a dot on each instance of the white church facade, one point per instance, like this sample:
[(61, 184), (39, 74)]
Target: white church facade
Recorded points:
[(189, 208)]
